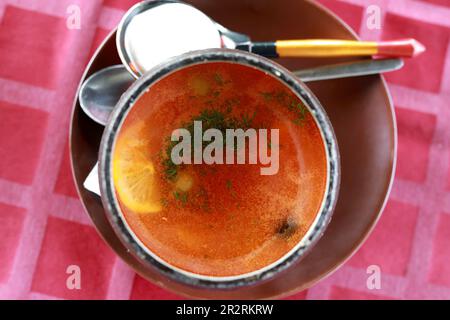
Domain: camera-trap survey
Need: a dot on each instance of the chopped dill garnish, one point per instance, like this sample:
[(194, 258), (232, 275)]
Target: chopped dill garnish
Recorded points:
[(267, 96), (211, 119), (164, 202), (229, 103), (181, 196), (290, 103), (281, 96), (229, 186), (246, 120), (219, 80), (170, 168)]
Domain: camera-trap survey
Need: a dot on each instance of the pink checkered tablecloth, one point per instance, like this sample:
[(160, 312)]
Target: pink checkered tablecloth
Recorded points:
[(42, 220)]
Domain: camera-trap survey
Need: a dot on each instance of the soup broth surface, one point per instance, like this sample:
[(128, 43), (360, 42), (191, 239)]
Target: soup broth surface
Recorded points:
[(219, 219)]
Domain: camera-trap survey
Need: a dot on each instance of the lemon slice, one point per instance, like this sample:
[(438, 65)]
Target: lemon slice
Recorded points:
[(134, 175)]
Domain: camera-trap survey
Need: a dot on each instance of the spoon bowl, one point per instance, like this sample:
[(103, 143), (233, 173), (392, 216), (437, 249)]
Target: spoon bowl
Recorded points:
[(101, 91), (193, 30)]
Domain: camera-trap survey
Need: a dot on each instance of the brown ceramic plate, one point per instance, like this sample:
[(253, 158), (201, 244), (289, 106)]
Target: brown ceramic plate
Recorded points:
[(360, 110)]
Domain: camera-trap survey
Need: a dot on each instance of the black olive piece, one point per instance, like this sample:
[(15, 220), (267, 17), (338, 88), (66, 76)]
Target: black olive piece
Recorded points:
[(287, 228)]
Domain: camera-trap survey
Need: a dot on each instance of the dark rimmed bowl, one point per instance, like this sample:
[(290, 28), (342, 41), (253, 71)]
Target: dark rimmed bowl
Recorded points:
[(145, 84)]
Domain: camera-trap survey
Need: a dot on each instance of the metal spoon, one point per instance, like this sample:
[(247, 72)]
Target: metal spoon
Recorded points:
[(139, 58), (101, 91)]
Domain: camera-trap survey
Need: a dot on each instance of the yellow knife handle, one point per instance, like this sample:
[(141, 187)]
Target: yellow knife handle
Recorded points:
[(325, 48)]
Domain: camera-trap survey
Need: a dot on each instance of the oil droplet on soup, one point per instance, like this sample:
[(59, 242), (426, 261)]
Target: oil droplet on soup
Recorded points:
[(219, 219)]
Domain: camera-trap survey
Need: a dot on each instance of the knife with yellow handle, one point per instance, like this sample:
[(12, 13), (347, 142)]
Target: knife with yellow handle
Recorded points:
[(333, 48)]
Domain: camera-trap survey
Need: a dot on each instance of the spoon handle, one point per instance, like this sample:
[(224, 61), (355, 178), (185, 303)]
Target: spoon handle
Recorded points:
[(349, 69), (334, 48)]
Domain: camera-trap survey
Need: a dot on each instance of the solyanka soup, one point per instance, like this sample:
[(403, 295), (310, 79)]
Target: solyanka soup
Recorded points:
[(218, 171)]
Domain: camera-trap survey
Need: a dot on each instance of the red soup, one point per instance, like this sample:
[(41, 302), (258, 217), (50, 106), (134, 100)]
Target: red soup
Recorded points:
[(220, 218)]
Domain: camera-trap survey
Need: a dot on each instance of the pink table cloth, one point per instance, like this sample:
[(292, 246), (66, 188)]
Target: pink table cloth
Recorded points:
[(43, 228)]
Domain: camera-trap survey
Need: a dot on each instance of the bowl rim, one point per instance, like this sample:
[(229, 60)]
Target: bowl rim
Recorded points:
[(109, 198)]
